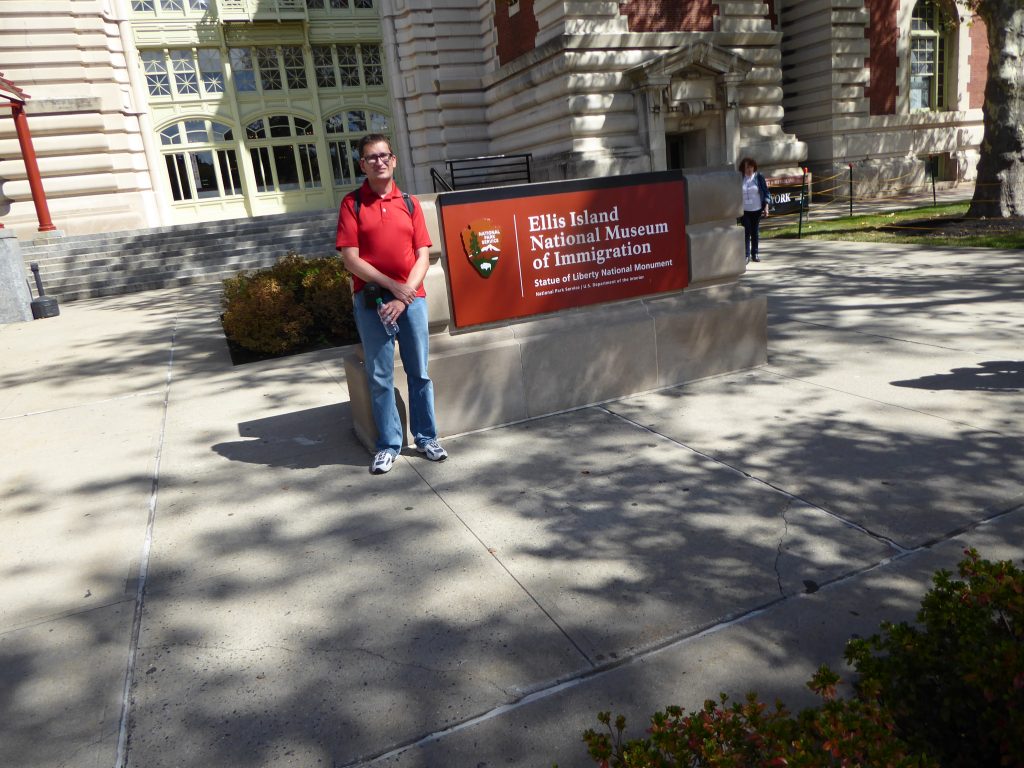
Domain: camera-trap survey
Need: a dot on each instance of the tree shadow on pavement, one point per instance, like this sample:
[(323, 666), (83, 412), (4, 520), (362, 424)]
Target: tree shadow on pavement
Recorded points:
[(988, 376)]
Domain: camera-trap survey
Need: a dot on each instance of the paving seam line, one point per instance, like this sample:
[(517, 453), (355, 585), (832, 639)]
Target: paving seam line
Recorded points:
[(505, 568), (767, 369), (147, 393), (876, 335), (147, 546), (669, 644), (641, 656), (791, 496)]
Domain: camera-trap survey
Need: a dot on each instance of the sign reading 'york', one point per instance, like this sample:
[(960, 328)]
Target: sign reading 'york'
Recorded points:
[(518, 251)]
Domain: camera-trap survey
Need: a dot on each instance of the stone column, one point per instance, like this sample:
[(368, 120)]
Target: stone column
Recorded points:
[(651, 106), (15, 300), (731, 82)]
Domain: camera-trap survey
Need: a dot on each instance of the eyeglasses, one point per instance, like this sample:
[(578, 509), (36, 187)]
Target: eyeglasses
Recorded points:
[(383, 157)]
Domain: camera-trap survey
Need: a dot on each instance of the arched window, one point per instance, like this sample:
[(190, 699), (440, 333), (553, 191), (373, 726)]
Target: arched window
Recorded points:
[(201, 160), (929, 55), (283, 153), (343, 133)]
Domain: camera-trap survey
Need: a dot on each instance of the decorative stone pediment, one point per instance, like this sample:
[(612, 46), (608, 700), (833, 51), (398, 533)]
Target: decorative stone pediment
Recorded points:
[(700, 56), (687, 79)]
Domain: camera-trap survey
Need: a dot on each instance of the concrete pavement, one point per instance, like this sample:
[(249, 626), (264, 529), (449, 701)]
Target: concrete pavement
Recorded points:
[(210, 533)]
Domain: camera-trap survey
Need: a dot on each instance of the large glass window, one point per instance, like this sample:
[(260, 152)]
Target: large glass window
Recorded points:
[(929, 35), (350, 66), (193, 73), (169, 6), (343, 133), (348, 63), (242, 69), (323, 63), (270, 70), (201, 160), (294, 66), (319, 5), (283, 154), (373, 69), (155, 67), (211, 72), (273, 68)]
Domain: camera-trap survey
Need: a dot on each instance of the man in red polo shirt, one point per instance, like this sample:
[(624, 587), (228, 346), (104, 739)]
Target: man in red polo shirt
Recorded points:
[(383, 239)]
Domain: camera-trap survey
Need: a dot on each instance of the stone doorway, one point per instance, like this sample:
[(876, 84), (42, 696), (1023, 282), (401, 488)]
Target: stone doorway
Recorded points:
[(688, 149)]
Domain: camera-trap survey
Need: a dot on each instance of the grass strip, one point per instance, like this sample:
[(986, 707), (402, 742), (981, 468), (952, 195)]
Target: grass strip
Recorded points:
[(945, 224)]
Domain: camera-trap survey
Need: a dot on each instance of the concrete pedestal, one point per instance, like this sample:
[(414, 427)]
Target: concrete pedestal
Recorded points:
[(566, 361), (15, 299)]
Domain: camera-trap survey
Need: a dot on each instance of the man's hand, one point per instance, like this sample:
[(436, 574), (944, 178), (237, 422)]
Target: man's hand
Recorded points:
[(403, 292), (391, 310)]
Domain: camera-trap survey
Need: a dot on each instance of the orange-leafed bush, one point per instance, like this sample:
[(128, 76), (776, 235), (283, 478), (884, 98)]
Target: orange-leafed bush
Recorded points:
[(292, 305)]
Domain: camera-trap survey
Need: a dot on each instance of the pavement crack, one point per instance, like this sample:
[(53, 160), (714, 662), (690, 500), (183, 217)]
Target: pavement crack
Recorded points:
[(124, 721), (782, 541), (388, 660), (533, 598)]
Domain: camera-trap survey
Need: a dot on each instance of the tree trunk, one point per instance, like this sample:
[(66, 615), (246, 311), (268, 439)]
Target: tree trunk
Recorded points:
[(999, 191)]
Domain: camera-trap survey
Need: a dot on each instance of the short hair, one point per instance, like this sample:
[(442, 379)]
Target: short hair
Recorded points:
[(745, 162), (373, 138)]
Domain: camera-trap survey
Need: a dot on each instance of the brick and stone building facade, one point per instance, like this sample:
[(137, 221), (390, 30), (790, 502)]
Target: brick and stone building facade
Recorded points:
[(153, 112)]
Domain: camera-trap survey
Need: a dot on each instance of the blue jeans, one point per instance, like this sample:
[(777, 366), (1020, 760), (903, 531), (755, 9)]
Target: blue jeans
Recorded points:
[(379, 349)]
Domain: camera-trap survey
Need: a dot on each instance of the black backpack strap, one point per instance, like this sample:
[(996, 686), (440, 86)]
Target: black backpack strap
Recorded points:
[(357, 203)]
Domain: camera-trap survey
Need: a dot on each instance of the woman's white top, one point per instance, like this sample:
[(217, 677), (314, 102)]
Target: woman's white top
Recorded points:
[(751, 194)]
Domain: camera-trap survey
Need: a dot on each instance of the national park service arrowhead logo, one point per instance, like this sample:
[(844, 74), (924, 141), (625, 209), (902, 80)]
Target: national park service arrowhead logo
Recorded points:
[(482, 243)]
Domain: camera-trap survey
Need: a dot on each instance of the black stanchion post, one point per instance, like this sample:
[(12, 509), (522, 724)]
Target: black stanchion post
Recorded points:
[(933, 161), (851, 188), (803, 204)]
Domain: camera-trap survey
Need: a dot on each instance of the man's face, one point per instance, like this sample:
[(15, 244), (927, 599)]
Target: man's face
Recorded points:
[(377, 162)]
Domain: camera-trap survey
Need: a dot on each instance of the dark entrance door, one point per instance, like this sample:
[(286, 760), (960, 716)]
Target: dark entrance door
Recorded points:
[(686, 150)]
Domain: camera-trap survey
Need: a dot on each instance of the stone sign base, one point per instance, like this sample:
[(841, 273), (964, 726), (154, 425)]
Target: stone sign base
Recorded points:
[(554, 364)]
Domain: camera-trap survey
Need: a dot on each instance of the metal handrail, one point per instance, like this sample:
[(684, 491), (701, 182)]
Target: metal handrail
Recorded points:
[(489, 170), (439, 180)]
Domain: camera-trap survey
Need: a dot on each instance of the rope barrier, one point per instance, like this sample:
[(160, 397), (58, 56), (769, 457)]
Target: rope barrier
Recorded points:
[(833, 194), (827, 178)]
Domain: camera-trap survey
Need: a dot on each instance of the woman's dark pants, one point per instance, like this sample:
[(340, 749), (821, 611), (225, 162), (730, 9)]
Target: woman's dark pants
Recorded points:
[(751, 224)]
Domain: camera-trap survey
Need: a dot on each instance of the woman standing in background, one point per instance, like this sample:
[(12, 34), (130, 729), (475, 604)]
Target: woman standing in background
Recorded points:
[(755, 205)]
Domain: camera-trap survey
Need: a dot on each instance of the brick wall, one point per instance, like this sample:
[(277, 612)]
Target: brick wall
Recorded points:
[(670, 15), (978, 63), (517, 34), (883, 34)]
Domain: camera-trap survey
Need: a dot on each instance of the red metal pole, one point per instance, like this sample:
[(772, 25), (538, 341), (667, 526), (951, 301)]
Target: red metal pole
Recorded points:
[(35, 182)]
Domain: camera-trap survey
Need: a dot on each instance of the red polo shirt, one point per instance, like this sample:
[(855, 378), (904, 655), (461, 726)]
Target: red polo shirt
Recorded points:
[(387, 235)]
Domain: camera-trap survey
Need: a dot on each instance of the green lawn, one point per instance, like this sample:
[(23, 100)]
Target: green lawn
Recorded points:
[(915, 225)]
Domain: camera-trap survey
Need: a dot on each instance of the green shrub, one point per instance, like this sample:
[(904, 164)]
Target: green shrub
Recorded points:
[(955, 683), (262, 315), (840, 732), (291, 305), (948, 693), (327, 294)]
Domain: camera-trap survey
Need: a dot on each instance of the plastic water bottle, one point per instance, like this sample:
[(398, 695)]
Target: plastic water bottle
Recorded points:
[(389, 325)]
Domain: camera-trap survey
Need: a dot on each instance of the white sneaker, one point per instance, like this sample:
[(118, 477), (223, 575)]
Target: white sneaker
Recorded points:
[(382, 462), (433, 450)]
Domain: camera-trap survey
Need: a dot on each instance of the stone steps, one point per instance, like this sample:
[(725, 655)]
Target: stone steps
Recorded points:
[(114, 263)]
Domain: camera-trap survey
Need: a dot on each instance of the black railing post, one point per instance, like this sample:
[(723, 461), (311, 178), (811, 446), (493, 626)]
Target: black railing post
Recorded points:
[(803, 204), (933, 161), (851, 188)]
